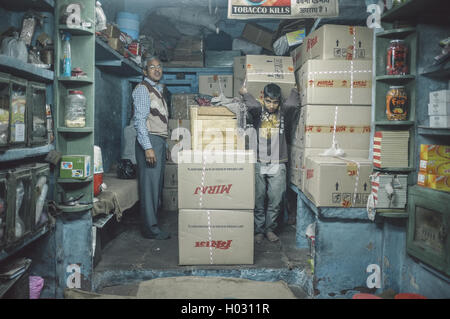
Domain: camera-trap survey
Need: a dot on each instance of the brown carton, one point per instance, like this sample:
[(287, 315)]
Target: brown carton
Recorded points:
[(335, 182), (335, 82), (215, 237), (214, 85), (335, 42), (258, 35)]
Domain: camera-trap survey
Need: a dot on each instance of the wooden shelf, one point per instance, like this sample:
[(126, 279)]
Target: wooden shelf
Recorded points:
[(26, 240), (394, 169), (412, 10), (392, 79), (441, 71), (76, 30), (394, 123), (23, 5), (396, 33), (20, 153), (26, 70), (425, 130), (74, 181), (75, 129)]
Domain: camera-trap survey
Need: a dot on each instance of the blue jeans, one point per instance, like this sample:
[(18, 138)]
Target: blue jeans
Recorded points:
[(270, 184)]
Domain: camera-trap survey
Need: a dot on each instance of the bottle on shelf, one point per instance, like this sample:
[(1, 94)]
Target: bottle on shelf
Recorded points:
[(75, 109), (397, 55), (67, 57)]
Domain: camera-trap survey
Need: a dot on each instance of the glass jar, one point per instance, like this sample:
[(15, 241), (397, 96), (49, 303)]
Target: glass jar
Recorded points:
[(397, 55), (75, 109), (397, 104)]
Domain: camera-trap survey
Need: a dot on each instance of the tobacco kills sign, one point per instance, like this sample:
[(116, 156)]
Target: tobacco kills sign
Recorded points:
[(282, 9)]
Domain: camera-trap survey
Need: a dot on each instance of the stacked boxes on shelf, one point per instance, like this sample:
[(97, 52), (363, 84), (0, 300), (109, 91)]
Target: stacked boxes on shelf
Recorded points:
[(439, 109), (333, 70), (216, 200), (434, 167)]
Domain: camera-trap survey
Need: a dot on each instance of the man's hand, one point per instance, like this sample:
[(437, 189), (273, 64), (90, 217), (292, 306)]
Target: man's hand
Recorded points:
[(243, 90), (150, 156)]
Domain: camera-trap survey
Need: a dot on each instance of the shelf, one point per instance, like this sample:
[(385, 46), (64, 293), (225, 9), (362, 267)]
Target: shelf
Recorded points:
[(24, 5), (76, 30), (109, 60), (27, 70), (394, 169), (75, 80), (74, 209), (20, 153), (441, 71), (425, 130), (395, 78), (396, 33), (75, 129), (413, 9), (74, 181), (28, 239), (394, 123), (393, 214)]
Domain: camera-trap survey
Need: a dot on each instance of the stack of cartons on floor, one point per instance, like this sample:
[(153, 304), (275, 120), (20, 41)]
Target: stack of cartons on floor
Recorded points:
[(216, 199), (179, 126), (334, 77)]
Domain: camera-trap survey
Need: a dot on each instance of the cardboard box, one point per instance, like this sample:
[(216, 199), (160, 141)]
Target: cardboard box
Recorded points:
[(438, 182), (264, 69), (331, 182), (296, 37), (216, 180), (170, 199), (214, 85), (434, 152), (214, 128), (435, 167), (335, 42), (282, 9), (111, 31), (215, 237), (439, 109), (220, 59), (297, 161), (316, 127), (438, 121), (335, 82), (171, 175), (258, 35), (75, 166), (180, 105), (442, 96), (178, 124), (116, 44)]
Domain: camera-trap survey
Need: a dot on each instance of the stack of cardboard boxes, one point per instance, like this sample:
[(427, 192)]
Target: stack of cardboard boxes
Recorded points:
[(216, 199), (434, 168), (333, 69), (439, 109)]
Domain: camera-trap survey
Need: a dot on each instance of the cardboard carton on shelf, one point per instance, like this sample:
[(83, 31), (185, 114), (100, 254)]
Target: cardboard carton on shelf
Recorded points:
[(335, 182), (258, 35), (335, 42), (215, 237), (316, 126), (214, 85), (335, 82)]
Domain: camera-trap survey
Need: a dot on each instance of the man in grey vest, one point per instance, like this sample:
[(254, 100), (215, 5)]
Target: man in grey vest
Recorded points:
[(151, 123)]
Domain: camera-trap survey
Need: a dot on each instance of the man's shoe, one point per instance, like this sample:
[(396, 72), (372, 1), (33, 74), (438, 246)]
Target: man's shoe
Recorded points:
[(259, 238), (271, 236), (156, 233)]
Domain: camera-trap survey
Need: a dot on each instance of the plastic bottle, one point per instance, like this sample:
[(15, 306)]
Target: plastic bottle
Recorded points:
[(75, 109), (67, 57)]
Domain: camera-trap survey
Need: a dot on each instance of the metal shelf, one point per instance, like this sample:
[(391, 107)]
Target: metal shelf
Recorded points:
[(23, 5), (412, 10), (395, 78), (75, 129), (425, 130), (441, 71), (20, 153), (74, 181), (28, 239), (76, 30), (27, 70), (394, 123), (109, 60), (396, 33)]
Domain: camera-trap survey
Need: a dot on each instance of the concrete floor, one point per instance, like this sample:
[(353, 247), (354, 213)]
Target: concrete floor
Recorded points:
[(127, 259)]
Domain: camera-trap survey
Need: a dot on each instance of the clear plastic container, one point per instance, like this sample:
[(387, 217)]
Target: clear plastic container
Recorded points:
[(75, 109)]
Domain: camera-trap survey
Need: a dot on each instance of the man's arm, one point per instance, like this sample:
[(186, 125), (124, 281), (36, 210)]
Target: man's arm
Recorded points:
[(248, 99), (141, 104)]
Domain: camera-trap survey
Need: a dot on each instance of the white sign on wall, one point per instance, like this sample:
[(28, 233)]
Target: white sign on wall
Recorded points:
[(282, 9)]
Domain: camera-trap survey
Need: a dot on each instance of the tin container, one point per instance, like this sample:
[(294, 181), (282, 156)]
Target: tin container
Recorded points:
[(397, 104)]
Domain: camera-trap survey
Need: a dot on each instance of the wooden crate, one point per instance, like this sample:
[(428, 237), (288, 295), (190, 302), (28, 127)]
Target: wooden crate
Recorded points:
[(210, 126)]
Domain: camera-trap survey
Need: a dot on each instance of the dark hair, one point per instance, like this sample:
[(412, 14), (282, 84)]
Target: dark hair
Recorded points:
[(273, 91)]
